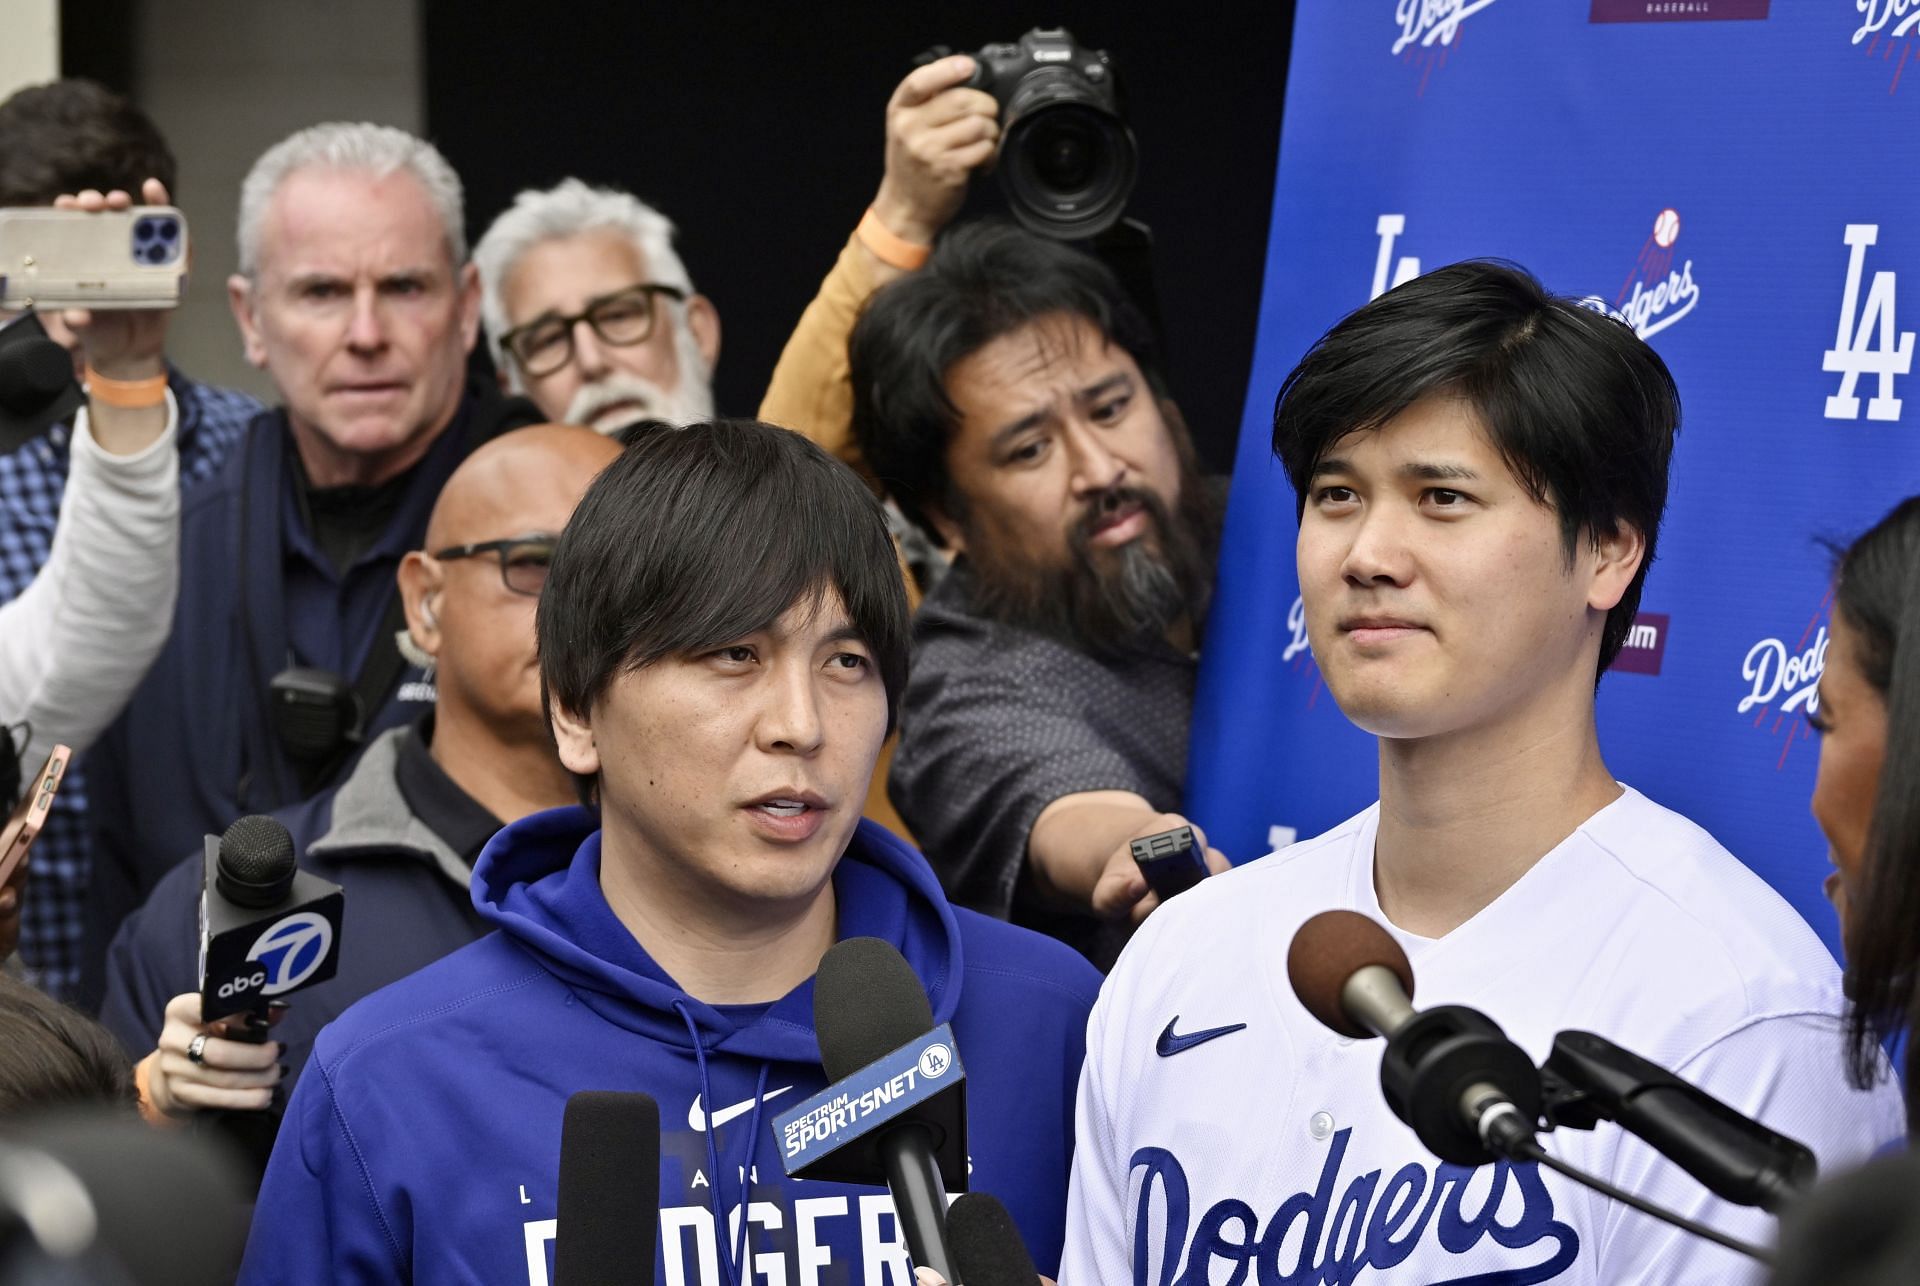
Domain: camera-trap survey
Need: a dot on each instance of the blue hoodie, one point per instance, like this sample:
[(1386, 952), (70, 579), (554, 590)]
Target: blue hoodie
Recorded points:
[(423, 1145)]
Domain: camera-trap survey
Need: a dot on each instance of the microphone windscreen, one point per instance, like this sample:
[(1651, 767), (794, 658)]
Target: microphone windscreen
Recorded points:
[(169, 1205), (1329, 949), (32, 373), (256, 861), (986, 1244), (609, 1206), (866, 1004)]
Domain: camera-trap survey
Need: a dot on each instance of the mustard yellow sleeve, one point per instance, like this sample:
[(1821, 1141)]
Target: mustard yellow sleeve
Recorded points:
[(810, 391)]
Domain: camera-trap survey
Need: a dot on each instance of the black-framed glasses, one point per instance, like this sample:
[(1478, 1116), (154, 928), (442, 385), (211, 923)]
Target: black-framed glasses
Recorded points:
[(523, 560), (622, 318)]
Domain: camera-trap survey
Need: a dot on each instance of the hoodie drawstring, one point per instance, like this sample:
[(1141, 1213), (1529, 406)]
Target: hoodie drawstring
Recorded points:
[(734, 1250)]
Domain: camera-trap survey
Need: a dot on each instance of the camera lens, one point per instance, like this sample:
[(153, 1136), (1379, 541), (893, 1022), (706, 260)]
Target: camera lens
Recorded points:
[(1068, 169), (143, 230), (1064, 156), (168, 229)]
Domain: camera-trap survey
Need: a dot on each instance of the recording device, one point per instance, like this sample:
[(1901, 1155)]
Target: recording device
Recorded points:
[(1737, 1158), (134, 258), (30, 813), (1067, 159), (1171, 861), (895, 1112), (97, 1197), (987, 1248), (267, 928), (315, 714), (1450, 1073), (1471, 1095), (609, 1190), (37, 386)]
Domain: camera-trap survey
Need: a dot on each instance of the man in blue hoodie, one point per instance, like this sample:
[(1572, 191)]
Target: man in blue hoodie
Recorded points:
[(723, 644)]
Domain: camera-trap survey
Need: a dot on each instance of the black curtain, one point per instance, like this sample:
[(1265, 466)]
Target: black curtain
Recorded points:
[(757, 128)]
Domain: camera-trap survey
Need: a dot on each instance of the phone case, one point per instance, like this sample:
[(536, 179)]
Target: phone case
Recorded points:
[(30, 814), (135, 258)]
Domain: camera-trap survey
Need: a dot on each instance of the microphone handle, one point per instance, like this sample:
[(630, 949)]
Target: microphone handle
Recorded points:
[(919, 1197)]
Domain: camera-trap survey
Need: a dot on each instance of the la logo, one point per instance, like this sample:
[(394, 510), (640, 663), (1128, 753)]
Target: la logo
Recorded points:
[(1854, 352), (1404, 270)]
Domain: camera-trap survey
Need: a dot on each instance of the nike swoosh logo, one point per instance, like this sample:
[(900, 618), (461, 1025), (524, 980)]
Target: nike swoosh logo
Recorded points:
[(696, 1120), (1169, 1044)]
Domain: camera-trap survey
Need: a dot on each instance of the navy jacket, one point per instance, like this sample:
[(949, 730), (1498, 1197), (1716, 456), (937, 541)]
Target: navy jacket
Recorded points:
[(423, 1145), (407, 905), (195, 748)]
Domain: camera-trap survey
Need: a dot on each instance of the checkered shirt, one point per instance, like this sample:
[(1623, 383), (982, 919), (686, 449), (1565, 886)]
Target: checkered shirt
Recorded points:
[(32, 481)]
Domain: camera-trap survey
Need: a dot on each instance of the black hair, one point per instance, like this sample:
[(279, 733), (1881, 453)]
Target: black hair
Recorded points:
[(985, 280), (695, 537), (1876, 589), (1580, 408), (70, 135), (52, 1056)]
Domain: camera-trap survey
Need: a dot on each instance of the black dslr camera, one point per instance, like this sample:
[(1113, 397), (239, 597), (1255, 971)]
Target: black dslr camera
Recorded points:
[(1067, 159)]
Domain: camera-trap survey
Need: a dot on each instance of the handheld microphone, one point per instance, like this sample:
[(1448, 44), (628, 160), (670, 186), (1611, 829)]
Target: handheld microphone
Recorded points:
[(609, 1207), (267, 928), (37, 388), (987, 1248), (1450, 1073), (872, 1015)]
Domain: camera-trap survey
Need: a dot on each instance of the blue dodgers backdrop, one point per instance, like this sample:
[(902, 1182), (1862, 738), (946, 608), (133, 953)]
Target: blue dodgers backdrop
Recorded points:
[(1729, 176)]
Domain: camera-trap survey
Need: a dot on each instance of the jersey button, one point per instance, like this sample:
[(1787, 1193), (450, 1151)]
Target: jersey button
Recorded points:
[(1320, 1125)]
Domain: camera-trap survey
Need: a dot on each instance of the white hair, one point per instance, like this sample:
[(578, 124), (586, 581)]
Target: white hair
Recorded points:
[(568, 209), (378, 150)]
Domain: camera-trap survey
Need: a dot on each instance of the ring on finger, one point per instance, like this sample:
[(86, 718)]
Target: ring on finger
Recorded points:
[(197, 1049)]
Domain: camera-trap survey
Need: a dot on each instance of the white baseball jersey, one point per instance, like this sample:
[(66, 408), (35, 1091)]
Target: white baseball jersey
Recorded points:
[(1227, 1136)]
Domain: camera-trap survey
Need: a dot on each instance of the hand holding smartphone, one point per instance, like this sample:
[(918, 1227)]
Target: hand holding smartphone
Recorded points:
[(22, 828), (134, 257)]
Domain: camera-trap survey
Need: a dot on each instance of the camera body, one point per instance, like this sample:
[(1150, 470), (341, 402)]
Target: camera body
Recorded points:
[(1067, 158)]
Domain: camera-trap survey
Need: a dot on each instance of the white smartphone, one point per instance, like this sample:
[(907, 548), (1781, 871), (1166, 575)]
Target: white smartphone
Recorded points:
[(133, 258)]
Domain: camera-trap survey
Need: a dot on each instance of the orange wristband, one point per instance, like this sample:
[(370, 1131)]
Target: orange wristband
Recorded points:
[(889, 249), (129, 395)]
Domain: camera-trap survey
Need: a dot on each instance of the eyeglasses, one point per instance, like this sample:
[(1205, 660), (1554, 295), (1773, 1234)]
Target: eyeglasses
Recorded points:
[(523, 560), (622, 319)]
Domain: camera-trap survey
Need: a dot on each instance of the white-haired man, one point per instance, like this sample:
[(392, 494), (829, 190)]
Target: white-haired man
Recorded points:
[(592, 314), (355, 295)]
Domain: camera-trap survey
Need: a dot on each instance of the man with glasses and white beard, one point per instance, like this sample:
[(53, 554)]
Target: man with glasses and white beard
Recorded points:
[(591, 313)]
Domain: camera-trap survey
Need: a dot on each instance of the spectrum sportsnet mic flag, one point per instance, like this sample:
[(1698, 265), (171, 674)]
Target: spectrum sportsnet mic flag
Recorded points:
[(1728, 178), (823, 1137)]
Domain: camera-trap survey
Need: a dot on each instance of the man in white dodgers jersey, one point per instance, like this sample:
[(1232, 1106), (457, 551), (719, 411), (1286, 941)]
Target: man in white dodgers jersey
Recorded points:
[(1481, 470)]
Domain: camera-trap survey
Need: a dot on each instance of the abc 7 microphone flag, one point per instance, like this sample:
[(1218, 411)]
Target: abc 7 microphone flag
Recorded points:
[(1720, 176)]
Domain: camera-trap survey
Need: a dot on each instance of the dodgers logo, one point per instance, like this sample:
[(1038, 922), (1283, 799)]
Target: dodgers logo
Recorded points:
[(292, 951), (1655, 295), (1436, 1214), (1782, 680), (1425, 22), (1883, 23), (1876, 14)]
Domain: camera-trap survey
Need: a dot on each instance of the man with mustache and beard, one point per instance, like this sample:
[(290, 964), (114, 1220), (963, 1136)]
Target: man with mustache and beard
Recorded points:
[(1008, 398)]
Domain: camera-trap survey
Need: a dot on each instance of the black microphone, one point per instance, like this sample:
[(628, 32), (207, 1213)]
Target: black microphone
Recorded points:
[(867, 1004), (1469, 1093), (987, 1248), (37, 388), (98, 1197), (1736, 1157), (609, 1190), (267, 928)]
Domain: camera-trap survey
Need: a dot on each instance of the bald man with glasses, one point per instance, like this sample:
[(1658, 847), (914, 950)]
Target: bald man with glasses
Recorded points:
[(401, 832)]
